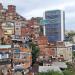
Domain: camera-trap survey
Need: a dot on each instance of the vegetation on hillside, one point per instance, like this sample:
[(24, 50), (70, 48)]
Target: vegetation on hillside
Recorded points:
[(35, 52), (69, 71), (50, 73), (65, 72), (70, 36)]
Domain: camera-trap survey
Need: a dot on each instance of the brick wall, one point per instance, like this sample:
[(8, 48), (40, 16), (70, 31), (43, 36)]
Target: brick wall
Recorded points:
[(1, 7)]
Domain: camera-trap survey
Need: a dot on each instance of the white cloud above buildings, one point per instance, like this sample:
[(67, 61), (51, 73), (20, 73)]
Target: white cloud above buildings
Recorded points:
[(36, 8)]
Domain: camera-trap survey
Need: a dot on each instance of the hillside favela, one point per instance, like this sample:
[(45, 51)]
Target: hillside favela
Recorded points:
[(37, 37)]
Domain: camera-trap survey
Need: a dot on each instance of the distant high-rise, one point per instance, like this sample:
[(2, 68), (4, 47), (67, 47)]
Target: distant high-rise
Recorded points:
[(54, 30)]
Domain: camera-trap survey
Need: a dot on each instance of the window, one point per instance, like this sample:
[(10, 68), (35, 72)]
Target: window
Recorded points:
[(17, 51), (17, 28), (4, 56), (23, 56), (16, 55), (52, 16)]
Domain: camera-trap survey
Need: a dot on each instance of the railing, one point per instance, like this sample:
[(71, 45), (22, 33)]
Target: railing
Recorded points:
[(5, 61)]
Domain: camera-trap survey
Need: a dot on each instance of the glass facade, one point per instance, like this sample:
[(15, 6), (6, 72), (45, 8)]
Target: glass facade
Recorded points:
[(55, 29)]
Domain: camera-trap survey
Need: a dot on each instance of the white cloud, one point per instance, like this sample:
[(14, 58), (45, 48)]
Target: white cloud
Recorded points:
[(41, 10), (34, 8)]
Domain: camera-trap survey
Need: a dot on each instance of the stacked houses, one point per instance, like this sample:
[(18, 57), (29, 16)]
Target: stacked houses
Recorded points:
[(54, 51), (13, 31), (16, 31)]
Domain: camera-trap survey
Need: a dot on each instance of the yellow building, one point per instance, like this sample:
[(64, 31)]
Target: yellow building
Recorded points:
[(8, 28)]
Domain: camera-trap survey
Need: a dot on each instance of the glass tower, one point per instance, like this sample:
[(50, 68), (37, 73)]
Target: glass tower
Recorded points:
[(54, 30)]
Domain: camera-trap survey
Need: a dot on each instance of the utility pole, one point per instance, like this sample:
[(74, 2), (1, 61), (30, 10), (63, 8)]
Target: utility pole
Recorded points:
[(12, 48)]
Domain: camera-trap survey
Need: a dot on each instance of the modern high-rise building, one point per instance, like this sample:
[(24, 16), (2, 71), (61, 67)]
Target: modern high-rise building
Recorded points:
[(54, 29)]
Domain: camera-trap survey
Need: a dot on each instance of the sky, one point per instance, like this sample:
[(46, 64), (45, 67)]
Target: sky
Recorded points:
[(36, 8)]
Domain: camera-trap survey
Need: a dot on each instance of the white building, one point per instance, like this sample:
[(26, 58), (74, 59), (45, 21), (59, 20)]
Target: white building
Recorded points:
[(49, 68), (64, 52)]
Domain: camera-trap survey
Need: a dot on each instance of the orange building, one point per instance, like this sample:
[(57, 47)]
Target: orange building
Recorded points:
[(46, 50), (5, 55), (22, 56), (42, 40), (24, 31), (1, 33)]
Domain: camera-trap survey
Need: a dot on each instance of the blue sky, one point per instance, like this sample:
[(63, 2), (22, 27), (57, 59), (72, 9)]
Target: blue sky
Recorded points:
[(36, 8)]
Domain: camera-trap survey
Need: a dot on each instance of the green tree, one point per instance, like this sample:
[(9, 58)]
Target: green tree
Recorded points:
[(67, 72), (51, 73), (74, 54), (70, 35), (35, 52)]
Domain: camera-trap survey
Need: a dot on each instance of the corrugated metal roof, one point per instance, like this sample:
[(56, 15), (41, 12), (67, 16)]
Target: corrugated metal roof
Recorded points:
[(48, 68), (5, 46), (60, 64)]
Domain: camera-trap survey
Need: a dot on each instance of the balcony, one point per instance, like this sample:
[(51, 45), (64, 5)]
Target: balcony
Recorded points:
[(5, 61)]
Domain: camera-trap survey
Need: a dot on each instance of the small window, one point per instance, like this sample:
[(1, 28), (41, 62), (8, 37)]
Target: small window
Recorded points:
[(17, 28)]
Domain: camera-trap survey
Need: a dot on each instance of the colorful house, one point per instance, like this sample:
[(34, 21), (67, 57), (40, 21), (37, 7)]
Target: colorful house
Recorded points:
[(5, 56), (22, 56)]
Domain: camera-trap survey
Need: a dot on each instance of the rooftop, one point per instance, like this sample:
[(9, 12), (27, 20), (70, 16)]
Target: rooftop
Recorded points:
[(5, 46), (60, 64), (48, 68)]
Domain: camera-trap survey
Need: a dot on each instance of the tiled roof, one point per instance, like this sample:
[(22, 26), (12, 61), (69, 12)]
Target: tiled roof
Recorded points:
[(25, 49)]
